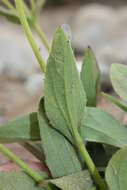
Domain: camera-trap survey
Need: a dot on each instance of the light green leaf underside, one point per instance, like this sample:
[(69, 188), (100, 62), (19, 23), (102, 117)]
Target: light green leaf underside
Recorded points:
[(118, 75), (23, 128), (61, 158), (99, 126), (90, 76), (65, 98), (17, 181), (116, 172), (77, 181)]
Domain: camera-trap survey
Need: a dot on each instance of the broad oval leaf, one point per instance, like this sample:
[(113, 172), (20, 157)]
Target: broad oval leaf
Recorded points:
[(116, 172), (65, 99), (90, 76), (100, 126), (118, 75), (23, 128), (60, 156), (17, 180), (77, 181)]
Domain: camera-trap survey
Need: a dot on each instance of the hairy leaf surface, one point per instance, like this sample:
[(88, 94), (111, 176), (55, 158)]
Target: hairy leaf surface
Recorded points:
[(65, 98), (77, 181), (23, 128), (99, 126), (17, 181), (60, 156)]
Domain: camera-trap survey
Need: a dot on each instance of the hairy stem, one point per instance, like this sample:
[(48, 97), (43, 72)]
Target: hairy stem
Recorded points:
[(85, 155), (23, 20), (21, 164), (38, 178)]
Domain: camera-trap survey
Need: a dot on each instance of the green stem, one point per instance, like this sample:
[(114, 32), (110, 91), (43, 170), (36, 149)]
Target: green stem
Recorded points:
[(42, 36), (85, 155), (26, 10), (21, 164), (9, 5), (19, 6), (39, 5)]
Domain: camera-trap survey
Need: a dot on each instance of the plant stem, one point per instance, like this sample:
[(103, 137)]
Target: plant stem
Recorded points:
[(83, 151), (9, 5), (38, 178), (42, 36), (21, 164), (26, 9), (23, 20), (39, 5)]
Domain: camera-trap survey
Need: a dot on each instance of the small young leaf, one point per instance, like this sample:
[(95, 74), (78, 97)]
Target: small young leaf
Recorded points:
[(17, 180), (65, 99), (23, 128), (90, 76), (77, 181), (115, 101), (116, 172), (119, 79), (61, 157), (99, 126)]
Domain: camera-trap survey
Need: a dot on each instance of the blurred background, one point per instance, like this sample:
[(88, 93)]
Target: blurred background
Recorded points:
[(97, 23)]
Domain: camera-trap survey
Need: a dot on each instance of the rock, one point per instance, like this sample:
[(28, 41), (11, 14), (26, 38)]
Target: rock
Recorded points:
[(17, 60), (34, 84)]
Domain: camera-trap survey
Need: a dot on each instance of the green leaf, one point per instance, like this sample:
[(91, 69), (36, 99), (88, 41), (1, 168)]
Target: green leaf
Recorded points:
[(61, 157), (17, 180), (116, 172), (90, 76), (115, 101), (119, 79), (99, 126), (9, 15), (77, 181), (65, 99), (23, 128)]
